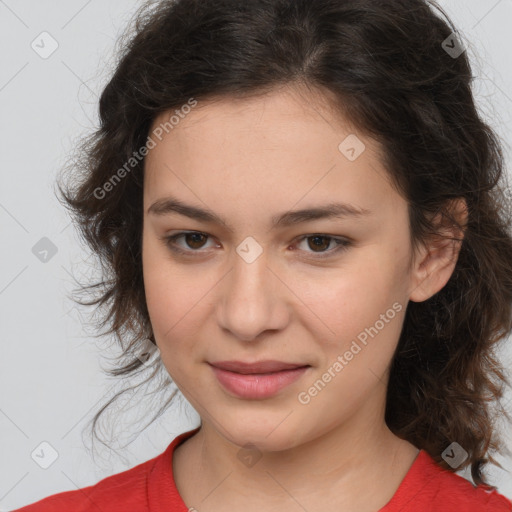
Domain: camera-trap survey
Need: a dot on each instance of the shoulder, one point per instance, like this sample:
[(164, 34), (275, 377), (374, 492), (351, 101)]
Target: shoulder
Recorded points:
[(147, 486), (453, 492), (459, 494), (429, 487), (117, 493)]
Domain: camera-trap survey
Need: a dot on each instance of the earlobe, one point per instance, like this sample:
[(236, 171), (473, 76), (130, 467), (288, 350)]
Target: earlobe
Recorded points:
[(436, 259)]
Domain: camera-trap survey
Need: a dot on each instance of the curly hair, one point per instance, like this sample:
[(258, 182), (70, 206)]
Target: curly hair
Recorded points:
[(393, 70)]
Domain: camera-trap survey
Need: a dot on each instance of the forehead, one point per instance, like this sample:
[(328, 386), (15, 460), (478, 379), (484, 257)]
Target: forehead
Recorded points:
[(276, 119), (281, 146)]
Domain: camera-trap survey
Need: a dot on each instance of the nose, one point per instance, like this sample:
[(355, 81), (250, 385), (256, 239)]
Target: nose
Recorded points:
[(252, 299)]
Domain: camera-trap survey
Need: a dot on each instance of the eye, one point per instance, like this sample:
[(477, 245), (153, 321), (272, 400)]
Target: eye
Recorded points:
[(195, 241), (319, 241)]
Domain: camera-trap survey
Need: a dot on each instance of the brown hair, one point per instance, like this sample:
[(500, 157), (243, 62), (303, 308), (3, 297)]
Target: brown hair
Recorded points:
[(391, 71)]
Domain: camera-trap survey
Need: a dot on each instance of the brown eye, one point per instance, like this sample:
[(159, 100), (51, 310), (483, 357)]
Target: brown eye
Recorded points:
[(319, 242), (195, 240), (318, 245)]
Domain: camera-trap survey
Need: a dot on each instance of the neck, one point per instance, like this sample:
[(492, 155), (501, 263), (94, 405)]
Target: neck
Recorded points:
[(333, 468)]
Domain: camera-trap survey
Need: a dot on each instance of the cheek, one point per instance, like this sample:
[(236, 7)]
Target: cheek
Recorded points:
[(172, 301), (345, 302), (177, 302), (166, 293), (172, 321), (362, 316)]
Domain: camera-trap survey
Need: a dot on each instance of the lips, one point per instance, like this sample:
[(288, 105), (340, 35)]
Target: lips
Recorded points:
[(260, 367), (257, 381)]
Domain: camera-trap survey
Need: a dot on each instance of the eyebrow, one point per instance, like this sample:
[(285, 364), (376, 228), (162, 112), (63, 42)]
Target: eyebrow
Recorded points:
[(170, 205)]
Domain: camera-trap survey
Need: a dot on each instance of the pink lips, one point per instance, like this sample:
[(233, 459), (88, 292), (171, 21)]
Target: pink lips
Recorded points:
[(256, 380)]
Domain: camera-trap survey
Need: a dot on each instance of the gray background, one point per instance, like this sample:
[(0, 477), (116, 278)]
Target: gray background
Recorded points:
[(51, 380)]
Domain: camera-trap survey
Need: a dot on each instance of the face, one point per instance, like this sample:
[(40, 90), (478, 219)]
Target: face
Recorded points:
[(325, 292)]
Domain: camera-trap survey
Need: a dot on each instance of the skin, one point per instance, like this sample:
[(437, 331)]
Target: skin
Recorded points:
[(248, 160)]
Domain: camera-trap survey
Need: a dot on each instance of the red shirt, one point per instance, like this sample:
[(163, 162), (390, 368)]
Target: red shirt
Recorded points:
[(149, 487)]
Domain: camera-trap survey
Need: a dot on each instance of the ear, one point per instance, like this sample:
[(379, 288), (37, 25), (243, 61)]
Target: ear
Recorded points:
[(435, 260)]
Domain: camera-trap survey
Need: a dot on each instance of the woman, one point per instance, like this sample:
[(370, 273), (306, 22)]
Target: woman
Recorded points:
[(300, 208)]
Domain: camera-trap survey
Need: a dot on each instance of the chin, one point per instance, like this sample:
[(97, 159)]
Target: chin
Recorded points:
[(266, 433)]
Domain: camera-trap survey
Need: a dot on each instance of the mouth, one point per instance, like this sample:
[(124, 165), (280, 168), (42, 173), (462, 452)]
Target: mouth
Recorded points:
[(259, 367), (256, 381)]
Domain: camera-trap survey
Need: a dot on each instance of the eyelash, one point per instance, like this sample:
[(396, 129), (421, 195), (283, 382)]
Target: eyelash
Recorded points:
[(170, 242)]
